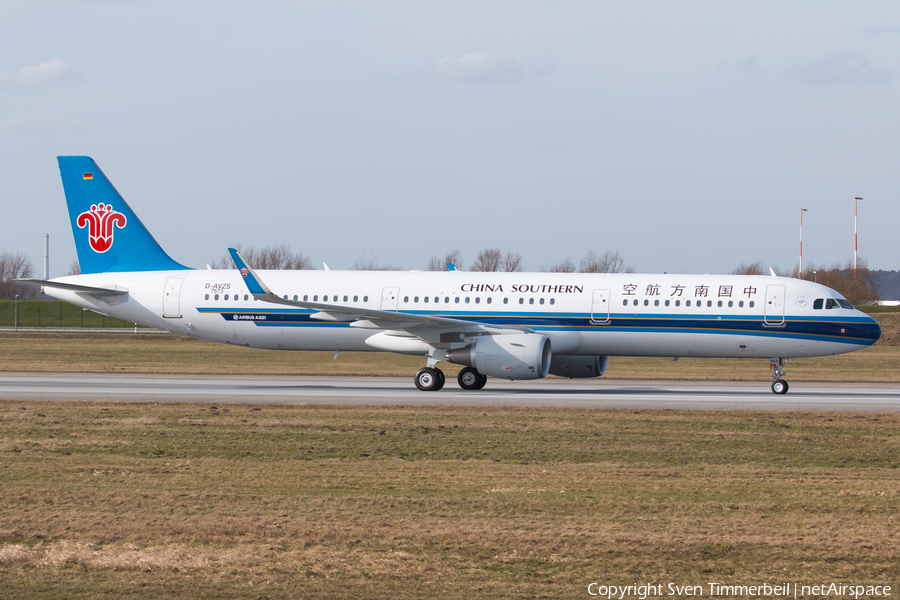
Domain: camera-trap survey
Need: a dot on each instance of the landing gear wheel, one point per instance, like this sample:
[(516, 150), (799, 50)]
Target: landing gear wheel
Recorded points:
[(427, 379), (471, 379), (441, 379), (780, 386)]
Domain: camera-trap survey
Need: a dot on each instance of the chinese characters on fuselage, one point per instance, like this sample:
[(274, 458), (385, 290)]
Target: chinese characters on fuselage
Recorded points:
[(700, 291)]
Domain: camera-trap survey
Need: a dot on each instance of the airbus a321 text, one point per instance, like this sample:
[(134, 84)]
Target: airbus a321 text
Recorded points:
[(505, 325)]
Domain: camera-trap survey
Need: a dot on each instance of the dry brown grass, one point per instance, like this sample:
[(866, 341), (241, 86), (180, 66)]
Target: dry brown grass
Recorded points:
[(156, 353), (233, 501)]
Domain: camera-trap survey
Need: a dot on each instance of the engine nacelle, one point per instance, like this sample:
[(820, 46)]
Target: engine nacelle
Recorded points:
[(514, 356), (578, 366)]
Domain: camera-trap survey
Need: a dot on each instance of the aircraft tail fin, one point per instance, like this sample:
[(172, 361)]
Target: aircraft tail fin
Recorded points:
[(109, 237)]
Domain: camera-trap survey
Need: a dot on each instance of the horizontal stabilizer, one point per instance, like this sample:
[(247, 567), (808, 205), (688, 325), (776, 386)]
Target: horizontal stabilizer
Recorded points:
[(84, 289)]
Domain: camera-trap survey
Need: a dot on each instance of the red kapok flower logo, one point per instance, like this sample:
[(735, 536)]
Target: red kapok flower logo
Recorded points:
[(100, 221)]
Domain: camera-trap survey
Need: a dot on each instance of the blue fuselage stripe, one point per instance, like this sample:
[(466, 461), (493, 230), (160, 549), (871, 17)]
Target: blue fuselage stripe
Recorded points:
[(850, 330)]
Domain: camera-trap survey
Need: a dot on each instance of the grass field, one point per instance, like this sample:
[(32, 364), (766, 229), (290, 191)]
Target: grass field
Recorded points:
[(158, 353), (238, 501)]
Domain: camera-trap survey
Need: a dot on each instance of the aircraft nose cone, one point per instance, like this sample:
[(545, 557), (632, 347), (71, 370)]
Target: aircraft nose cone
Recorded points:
[(871, 329), (876, 331)]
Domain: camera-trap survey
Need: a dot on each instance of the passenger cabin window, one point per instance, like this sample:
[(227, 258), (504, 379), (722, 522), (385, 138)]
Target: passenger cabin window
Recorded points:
[(489, 300), (531, 301), (751, 303), (687, 302), (506, 301), (552, 300), (356, 298), (456, 300), (542, 300), (425, 299), (245, 297), (306, 297), (405, 298), (365, 298), (678, 303), (646, 303), (295, 297), (522, 301), (207, 297), (446, 299), (226, 297), (656, 303), (477, 300)]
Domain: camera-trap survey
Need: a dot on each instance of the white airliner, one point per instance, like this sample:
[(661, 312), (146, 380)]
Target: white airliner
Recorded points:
[(505, 325)]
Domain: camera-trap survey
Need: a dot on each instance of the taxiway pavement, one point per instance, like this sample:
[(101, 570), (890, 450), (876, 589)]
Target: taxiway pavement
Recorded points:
[(586, 393)]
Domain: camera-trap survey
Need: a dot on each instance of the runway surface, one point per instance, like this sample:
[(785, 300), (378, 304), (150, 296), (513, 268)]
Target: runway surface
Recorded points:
[(592, 393)]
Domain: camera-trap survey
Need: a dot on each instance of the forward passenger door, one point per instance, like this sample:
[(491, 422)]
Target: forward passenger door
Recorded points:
[(774, 314)]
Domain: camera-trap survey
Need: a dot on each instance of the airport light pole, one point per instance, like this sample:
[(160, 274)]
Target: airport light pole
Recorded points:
[(816, 275), (802, 210), (855, 238), (16, 319)]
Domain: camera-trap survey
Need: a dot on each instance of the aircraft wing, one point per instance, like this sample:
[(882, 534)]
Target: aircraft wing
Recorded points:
[(430, 329)]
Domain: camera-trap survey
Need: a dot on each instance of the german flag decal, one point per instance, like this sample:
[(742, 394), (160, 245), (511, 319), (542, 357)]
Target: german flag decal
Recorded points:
[(88, 175)]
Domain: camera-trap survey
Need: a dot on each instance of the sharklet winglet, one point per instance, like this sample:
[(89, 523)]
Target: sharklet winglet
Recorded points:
[(254, 283)]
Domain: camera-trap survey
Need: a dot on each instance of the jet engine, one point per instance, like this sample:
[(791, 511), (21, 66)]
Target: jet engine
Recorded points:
[(577, 366), (513, 356)]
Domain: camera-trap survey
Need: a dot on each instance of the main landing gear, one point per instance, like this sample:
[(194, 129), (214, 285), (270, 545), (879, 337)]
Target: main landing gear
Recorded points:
[(431, 379), (779, 385), (470, 379)]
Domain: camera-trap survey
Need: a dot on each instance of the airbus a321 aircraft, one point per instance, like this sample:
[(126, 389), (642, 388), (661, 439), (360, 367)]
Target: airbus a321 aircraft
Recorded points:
[(504, 325)]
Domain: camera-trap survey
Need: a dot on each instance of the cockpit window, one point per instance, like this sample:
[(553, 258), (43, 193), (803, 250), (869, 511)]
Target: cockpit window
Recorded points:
[(828, 303)]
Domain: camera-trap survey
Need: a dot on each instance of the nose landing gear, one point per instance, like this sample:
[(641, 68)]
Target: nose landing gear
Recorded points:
[(779, 385)]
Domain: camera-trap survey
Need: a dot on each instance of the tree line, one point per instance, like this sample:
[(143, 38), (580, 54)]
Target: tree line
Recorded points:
[(859, 286), (16, 266)]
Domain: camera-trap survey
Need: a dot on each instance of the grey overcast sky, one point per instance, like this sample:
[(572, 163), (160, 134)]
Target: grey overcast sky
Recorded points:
[(685, 135)]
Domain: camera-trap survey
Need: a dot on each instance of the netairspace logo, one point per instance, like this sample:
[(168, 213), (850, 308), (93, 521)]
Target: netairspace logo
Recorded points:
[(721, 590)]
